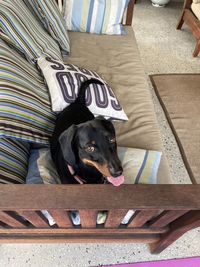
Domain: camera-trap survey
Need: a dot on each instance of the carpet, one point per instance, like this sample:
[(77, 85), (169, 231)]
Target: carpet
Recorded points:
[(179, 95), (189, 262)]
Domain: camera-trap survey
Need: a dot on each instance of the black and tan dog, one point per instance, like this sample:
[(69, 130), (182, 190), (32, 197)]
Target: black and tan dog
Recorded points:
[(83, 147)]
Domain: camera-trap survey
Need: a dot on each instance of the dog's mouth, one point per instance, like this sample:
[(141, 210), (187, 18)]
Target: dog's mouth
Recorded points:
[(103, 169), (116, 181)]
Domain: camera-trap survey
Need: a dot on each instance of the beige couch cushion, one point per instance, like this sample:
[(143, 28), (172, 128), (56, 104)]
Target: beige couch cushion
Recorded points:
[(117, 59), (196, 8)]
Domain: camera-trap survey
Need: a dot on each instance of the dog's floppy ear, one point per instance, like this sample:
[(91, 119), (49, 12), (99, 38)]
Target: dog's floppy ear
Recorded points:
[(66, 140)]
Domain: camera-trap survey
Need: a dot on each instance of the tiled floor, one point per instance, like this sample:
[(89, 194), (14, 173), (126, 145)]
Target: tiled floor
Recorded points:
[(163, 50)]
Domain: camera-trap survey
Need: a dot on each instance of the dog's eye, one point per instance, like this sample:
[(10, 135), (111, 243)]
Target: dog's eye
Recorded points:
[(112, 140), (90, 149)]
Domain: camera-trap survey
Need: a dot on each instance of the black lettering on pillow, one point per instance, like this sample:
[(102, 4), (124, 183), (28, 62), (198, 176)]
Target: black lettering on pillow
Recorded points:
[(114, 103), (57, 66), (95, 75), (69, 80), (67, 88), (80, 78), (101, 102), (71, 67), (85, 71)]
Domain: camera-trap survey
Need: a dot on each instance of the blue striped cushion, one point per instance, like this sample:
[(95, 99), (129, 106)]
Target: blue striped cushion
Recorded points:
[(25, 111), (95, 16), (50, 16), (22, 30), (14, 155), (41, 168), (140, 166)]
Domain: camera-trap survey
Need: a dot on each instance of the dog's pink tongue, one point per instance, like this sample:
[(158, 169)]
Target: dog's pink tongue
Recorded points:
[(116, 181)]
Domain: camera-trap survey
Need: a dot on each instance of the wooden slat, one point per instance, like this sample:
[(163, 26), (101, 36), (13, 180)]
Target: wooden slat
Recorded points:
[(166, 217), (100, 197), (129, 15), (85, 231), (134, 238), (62, 218), (88, 218), (34, 218), (114, 218), (141, 217), (7, 219), (180, 226)]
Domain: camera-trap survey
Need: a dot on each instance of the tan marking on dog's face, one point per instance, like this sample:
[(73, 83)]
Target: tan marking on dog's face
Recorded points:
[(101, 168)]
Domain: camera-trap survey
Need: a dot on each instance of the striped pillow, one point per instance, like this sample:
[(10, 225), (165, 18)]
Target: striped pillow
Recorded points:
[(14, 155), (50, 16), (41, 168), (95, 16), (22, 30), (140, 166), (25, 111)]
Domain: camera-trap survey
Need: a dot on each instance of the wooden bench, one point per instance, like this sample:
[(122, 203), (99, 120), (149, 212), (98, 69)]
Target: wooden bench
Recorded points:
[(163, 213)]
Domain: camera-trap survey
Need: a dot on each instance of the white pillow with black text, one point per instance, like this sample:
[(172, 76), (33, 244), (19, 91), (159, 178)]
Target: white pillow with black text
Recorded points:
[(64, 80)]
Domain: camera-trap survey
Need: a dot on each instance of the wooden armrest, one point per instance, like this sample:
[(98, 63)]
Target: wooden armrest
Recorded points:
[(101, 197), (187, 4)]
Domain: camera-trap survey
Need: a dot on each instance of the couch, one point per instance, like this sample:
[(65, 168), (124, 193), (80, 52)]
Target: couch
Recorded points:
[(163, 212), (191, 16)]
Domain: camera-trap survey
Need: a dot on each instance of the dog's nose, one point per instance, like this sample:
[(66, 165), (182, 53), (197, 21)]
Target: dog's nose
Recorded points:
[(116, 173)]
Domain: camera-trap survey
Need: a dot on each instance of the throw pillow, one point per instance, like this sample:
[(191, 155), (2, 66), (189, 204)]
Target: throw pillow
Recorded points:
[(25, 111), (51, 18), (41, 168), (22, 30), (14, 155), (95, 16), (64, 82), (140, 165)]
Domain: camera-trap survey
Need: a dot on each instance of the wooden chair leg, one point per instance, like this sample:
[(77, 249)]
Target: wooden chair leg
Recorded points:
[(197, 49), (180, 23), (179, 227)]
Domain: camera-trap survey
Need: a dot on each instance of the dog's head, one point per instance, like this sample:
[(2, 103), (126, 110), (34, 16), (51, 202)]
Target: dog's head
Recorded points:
[(94, 144)]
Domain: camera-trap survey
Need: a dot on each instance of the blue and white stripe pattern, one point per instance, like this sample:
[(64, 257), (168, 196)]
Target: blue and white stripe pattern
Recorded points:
[(140, 165), (52, 19), (25, 109), (20, 28), (14, 155), (95, 16)]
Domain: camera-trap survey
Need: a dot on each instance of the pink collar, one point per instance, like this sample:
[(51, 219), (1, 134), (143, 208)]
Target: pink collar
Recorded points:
[(76, 177)]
